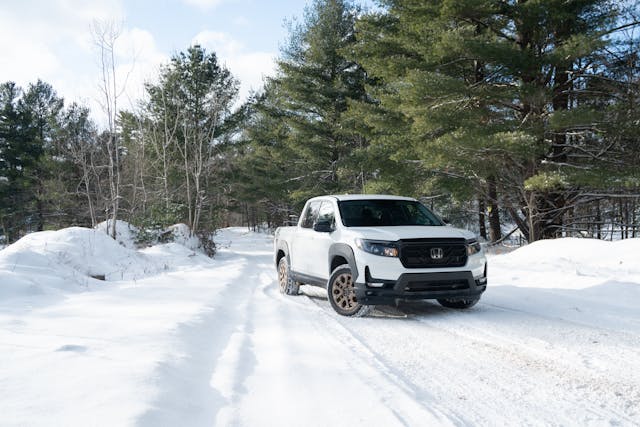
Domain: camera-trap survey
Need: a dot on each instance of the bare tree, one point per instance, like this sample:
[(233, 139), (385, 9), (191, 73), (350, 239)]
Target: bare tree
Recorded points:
[(105, 35)]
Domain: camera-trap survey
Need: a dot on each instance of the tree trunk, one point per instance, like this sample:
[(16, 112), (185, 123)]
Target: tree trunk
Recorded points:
[(633, 219), (533, 217), (495, 233), (598, 220), (105, 37), (481, 218), (522, 225)]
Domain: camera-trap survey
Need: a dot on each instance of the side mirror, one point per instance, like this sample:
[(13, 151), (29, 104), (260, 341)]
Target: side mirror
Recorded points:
[(446, 221), (323, 227)]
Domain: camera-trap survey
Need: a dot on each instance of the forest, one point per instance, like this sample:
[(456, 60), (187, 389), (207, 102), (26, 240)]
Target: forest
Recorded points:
[(504, 116)]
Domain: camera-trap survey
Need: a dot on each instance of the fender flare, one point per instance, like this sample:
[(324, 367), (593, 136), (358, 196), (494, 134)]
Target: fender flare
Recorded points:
[(345, 251)]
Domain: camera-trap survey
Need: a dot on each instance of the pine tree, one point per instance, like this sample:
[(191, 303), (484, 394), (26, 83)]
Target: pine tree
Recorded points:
[(314, 84), (187, 117), (42, 106), (26, 120), (261, 162), (493, 93)]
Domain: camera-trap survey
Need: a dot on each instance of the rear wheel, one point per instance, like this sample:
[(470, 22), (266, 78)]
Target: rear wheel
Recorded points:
[(459, 303), (342, 293), (287, 285)]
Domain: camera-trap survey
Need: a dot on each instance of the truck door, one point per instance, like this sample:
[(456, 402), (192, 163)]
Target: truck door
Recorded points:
[(321, 242), (300, 252)]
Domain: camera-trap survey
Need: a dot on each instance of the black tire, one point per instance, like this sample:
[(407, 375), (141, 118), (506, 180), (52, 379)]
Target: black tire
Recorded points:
[(342, 294), (459, 303), (285, 281)]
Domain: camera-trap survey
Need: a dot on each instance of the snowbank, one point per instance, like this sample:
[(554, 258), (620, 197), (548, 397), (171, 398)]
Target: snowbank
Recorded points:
[(68, 260), (569, 258), (125, 233), (182, 235), (128, 235), (76, 259), (585, 281)]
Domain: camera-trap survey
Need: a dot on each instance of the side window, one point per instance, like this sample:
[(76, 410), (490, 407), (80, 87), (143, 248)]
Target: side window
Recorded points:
[(326, 213), (310, 215)]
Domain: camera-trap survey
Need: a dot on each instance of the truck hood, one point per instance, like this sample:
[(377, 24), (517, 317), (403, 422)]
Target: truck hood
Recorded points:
[(410, 232)]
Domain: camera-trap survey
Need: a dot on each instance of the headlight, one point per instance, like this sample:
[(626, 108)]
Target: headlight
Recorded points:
[(473, 247), (377, 247)]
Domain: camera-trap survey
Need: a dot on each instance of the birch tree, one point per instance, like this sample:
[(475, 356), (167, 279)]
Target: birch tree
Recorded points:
[(105, 35)]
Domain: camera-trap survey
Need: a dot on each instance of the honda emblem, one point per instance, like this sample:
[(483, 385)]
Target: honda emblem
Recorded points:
[(437, 253)]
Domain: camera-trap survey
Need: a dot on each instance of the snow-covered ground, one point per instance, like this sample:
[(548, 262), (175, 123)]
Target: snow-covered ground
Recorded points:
[(174, 338)]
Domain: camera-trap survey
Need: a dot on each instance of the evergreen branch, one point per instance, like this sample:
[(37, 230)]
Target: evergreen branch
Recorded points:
[(552, 163), (492, 29)]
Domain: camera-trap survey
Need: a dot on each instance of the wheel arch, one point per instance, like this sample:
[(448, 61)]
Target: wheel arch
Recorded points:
[(282, 251), (341, 253)]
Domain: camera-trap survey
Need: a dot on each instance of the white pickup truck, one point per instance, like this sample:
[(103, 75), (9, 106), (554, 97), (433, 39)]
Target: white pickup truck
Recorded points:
[(373, 249)]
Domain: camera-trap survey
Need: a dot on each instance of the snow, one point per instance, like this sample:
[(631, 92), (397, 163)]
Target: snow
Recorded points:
[(59, 262), (582, 257), (182, 236), (172, 337), (125, 232)]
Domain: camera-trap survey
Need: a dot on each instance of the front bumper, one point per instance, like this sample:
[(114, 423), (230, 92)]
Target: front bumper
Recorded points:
[(417, 286)]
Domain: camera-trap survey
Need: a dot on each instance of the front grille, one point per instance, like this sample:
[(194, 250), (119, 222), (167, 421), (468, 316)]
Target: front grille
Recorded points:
[(439, 285), (433, 253)]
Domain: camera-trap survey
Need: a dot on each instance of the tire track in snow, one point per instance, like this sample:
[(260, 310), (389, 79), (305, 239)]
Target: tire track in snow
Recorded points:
[(238, 359), (343, 329), (459, 364), (567, 372), (350, 337), (184, 380), (307, 368), (545, 384)]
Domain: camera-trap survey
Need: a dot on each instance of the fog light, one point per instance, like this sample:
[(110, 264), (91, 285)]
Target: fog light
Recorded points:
[(375, 285)]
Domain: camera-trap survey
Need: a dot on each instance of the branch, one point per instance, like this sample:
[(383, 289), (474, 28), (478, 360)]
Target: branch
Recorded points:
[(503, 238), (494, 30), (621, 27), (613, 196), (552, 163)]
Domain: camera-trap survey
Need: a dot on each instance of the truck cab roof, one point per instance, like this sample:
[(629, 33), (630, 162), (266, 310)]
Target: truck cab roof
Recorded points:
[(343, 197)]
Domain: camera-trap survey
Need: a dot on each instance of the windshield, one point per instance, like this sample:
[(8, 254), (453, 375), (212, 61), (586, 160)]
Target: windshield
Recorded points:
[(384, 213)]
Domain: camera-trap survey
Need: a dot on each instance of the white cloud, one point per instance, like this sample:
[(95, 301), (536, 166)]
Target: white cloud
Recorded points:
[(241, 21), (204, 4), (248, 67), (222, 43), (52, 40), (26, 59), (139, 60)]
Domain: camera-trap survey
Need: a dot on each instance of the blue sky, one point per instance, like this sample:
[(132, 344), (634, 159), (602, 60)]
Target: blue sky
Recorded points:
[(52, 40), (257, 24)]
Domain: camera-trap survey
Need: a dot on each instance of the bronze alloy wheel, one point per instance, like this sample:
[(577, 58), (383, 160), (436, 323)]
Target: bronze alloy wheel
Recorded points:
[(285, 281), (343, 293), (283, 275)]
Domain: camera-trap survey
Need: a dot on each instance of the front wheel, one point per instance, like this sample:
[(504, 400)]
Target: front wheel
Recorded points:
[(459, 303), (342, 293), (287, 285)]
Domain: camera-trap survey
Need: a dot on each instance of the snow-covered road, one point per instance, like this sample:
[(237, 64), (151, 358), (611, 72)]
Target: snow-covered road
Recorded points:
[(214, 343)]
